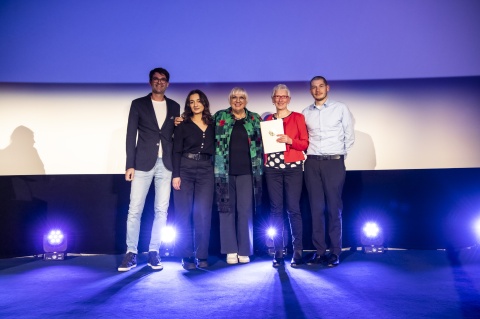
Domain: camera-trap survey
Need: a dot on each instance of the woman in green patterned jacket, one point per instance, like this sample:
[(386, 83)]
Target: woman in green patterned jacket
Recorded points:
[(238, 175)]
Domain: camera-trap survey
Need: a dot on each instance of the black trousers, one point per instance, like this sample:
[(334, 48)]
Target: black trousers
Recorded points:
[(193, 208), (285, 183), (236, 226), (324, 180)]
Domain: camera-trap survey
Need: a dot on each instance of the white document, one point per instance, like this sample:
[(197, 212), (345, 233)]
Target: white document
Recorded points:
[(270, 130)]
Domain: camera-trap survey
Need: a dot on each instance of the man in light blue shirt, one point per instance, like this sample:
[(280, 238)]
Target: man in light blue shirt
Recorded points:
[(331, 136)]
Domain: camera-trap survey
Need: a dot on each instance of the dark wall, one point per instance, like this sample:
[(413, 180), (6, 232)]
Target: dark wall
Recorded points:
[(418, 209)]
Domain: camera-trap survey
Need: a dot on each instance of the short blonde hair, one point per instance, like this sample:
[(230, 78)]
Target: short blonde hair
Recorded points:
[(238, 90)]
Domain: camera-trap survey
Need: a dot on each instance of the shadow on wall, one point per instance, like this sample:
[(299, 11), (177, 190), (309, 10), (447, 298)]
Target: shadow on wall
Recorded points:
[(20, 157), (362, 156)]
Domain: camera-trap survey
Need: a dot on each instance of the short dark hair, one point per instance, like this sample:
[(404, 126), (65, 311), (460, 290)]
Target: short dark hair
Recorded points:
[(206, 115), (318, 77), (161, 71)]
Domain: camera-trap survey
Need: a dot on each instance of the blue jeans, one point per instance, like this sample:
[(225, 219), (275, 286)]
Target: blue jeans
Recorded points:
[(139, 189)]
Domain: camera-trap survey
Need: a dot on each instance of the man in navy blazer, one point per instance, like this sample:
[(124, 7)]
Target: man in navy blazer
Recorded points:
[(149, 157)]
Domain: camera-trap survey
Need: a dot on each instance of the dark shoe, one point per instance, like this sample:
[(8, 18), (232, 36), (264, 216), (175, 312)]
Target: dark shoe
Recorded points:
[(154, 260), (317, 259), (278, 259), (333, 260), (297, 258), (296, 262), (202, 263), (129, 262), (189, 263)]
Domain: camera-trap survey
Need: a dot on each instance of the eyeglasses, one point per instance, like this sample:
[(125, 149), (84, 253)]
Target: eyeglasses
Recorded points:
[(162, 80), (281, 97), (240, 98)]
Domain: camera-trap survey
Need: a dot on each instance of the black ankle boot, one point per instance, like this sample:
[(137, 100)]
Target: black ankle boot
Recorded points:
[(297, 259), (278, 259)]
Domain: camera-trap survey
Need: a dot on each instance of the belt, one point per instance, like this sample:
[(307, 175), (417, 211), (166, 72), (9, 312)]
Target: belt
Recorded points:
[(325, 157), (198, 156)]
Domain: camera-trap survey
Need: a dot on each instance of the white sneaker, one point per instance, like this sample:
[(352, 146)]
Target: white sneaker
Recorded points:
[(232, 259), (243, 259)]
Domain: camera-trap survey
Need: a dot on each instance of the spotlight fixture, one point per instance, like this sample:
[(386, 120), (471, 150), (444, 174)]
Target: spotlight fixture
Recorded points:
[(168, 241), (271, 233), (54, 245), (476, 227), (168, 234), (372, 238)]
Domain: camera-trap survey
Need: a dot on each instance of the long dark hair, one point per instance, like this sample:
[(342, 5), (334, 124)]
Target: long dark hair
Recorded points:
[(206, 115)]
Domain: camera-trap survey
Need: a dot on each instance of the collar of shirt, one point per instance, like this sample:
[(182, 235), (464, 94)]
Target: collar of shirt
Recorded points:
[(318, 107)]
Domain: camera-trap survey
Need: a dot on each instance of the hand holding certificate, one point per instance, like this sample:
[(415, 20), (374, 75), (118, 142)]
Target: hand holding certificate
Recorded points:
[(270, 130)]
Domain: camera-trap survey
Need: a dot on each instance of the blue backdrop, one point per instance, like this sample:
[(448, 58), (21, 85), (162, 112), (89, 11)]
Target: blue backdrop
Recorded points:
[(237, 41)]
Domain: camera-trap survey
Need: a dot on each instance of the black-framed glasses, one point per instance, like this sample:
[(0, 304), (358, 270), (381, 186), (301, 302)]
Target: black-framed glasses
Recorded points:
[(161, 80)]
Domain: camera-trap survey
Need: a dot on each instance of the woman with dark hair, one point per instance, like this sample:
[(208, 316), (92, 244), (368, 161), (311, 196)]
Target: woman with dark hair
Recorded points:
[(193, 181)]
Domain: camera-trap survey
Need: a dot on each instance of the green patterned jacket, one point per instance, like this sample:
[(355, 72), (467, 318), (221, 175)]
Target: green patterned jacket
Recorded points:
[(224, 122)]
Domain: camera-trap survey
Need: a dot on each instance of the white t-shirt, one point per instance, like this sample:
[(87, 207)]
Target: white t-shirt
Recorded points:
[(160, 108)]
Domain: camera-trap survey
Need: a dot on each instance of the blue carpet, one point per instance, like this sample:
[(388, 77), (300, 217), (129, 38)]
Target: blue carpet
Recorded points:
[(397, 284)]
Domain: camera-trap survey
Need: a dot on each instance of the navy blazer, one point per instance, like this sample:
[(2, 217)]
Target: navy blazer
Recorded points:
[(142, 153)]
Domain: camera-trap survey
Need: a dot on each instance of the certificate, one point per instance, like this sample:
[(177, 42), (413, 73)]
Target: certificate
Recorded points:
[(270, 129)]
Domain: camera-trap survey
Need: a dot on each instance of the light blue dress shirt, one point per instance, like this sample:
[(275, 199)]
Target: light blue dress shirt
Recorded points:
[(330, 128)]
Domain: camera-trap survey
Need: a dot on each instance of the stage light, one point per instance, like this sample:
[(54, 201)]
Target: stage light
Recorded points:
[(476, 227), (372, 238), (168, 241), (168, 234), (371, 230), (54, 245), (271, 232)]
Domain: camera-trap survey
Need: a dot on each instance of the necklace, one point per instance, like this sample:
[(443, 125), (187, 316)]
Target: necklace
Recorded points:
[(240, 117)]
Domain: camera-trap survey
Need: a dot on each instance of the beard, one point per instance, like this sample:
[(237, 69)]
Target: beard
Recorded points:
[(320, 97)]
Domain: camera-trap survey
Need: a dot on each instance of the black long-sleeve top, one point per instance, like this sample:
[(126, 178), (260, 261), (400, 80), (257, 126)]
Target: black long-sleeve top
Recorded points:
[(240, 161), (189, 138)]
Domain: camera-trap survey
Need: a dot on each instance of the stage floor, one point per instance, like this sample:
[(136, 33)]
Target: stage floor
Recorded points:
[(397, 284)]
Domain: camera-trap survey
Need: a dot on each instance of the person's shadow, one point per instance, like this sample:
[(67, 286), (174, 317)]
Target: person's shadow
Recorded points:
[(362, 156), (21, 157), (22, 213)]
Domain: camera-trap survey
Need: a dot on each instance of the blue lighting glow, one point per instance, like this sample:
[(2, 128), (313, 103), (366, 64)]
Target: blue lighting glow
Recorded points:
[(476, 227), (271, 232), (168, 234), (55, 237), (371, 230), (59, 59)]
